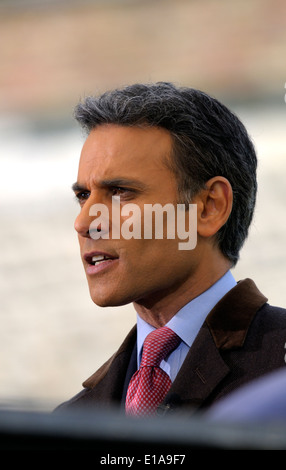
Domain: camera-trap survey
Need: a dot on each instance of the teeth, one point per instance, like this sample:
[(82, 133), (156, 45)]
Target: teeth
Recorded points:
[(97, 258)]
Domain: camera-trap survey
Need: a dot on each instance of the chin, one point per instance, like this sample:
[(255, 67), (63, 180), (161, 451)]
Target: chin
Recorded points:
[(108, 300), (115, 295)]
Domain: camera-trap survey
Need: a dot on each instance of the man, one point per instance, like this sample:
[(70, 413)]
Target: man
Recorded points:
[(159, 144)]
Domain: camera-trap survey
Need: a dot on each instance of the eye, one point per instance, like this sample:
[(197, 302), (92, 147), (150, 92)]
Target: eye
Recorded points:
[(82, 196), (117, 191), (124, 193)]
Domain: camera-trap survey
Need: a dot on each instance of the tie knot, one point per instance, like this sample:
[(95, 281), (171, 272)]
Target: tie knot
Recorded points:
[(157, 345)]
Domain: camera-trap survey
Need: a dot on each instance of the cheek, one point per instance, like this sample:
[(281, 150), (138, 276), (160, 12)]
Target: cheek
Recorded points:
[(150, 259)]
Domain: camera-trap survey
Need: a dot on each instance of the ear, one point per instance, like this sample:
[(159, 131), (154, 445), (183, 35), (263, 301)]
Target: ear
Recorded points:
[(214, 205)]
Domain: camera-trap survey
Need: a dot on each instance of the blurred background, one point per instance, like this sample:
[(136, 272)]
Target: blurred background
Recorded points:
[(52, 54)]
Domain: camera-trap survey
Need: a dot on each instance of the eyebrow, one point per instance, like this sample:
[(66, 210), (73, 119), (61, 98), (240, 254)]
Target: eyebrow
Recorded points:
[(76, 187), (116, 182)]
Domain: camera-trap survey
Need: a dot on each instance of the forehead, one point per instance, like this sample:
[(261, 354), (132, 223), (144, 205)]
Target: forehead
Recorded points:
[(111, 148)]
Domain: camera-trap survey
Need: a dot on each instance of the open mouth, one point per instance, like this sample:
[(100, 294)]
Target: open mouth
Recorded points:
[(98, 259)]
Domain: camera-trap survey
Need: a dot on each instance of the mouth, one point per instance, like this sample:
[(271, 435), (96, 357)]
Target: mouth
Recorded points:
[(98, 261)]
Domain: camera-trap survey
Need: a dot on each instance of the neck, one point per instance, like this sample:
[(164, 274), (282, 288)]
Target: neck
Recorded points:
[(159, 308)]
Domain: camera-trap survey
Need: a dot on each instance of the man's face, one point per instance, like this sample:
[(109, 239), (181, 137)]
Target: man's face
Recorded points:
[(129, 162)]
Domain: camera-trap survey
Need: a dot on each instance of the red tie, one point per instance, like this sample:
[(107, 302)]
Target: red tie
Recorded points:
[(149, 385)]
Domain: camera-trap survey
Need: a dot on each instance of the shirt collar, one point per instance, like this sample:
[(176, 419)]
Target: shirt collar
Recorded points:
[(188, 321)]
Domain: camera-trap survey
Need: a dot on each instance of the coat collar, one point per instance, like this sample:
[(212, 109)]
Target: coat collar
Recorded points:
[(230, 319)]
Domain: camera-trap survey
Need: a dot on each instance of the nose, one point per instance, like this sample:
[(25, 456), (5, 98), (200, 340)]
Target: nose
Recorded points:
[(83, 221), (93, 220)]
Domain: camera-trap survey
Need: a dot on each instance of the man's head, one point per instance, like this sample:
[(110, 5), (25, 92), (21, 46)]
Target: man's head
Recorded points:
[(158, 144), (207, 140)]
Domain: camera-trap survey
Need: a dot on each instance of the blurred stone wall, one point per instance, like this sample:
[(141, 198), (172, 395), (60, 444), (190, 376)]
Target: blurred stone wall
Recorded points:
[(53, 53)]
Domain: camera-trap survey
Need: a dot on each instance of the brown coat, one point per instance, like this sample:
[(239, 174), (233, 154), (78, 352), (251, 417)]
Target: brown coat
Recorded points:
[(242, 338)]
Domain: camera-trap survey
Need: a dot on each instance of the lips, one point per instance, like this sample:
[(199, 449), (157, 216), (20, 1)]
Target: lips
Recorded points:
[(97, 261)]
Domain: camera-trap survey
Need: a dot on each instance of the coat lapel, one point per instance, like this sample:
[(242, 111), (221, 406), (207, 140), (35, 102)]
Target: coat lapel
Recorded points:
[(202, 370), (107, 383)]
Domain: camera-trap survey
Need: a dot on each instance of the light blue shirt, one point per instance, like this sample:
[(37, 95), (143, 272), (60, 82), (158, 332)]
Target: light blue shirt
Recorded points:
[(186, 323)]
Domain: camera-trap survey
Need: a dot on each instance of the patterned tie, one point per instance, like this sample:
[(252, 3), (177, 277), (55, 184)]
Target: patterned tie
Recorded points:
[(149, 385)]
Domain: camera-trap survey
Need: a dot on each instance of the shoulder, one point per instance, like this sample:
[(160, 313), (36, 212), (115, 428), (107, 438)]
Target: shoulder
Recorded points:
[(271, 318), (105, 385), (268, 330), (265, 342)]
